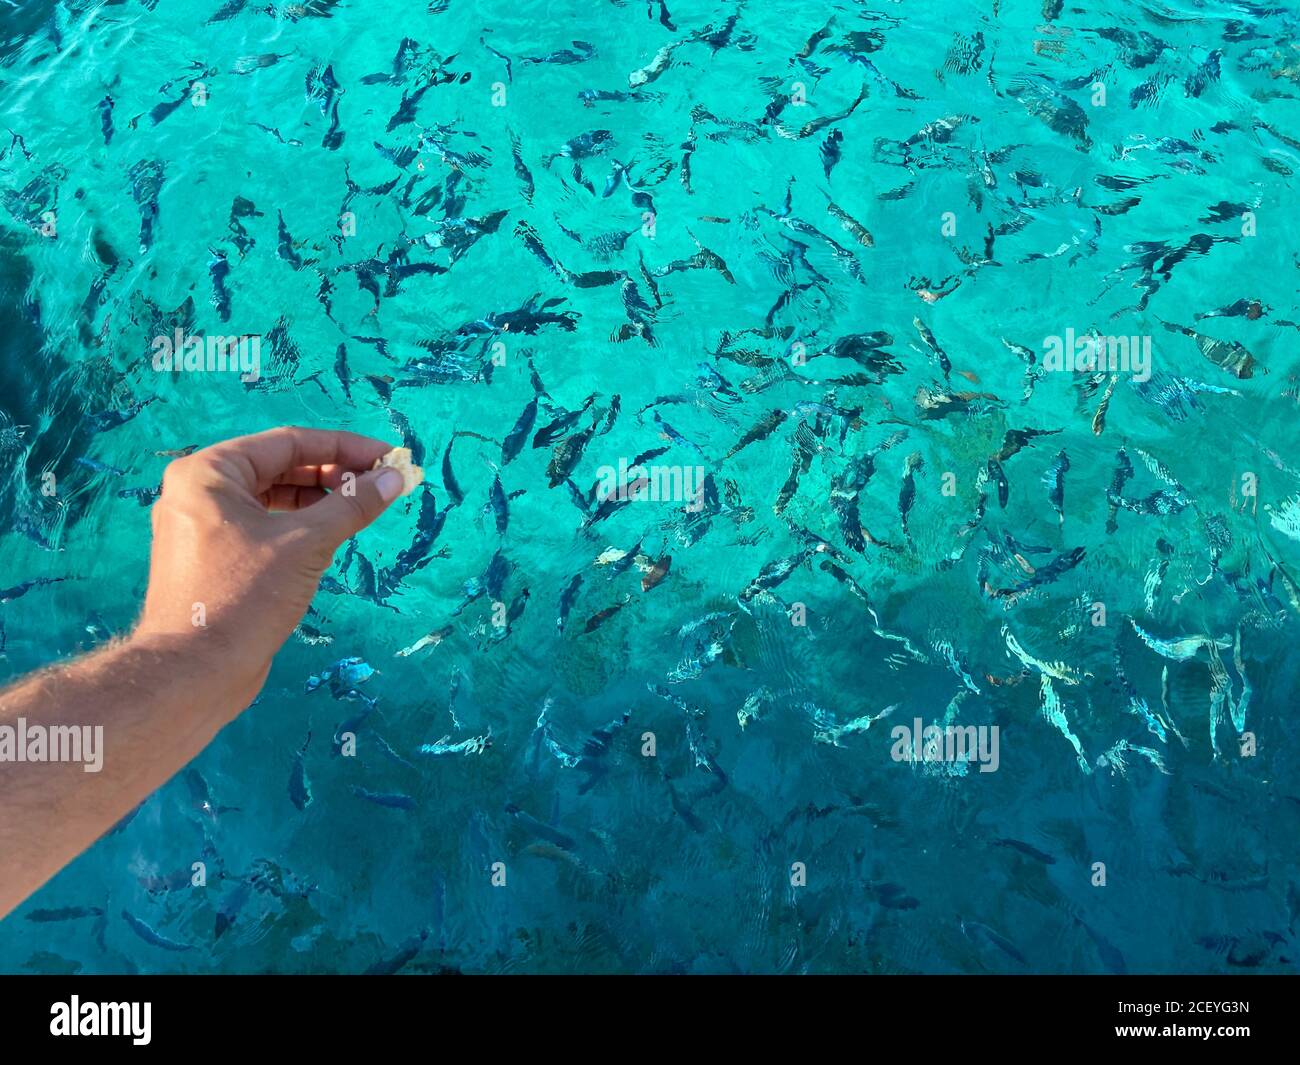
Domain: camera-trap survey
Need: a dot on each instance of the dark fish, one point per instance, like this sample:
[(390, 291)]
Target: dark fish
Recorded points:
[(762, 429), (219, 270), (494, 577), (865, 349), (975, 932), (515, 439), (669, 433), (241, 208), (533, 243), (697, 741), (201, 796), (383, 387), (944, 364), (1060, 565), (1051, 106), (324, 90), (166, 883), (600, 617), (622, 564), (1014, 440), (394, 800), (639, 315), (803, 449), (715, 39), (688, 149), (501, 56), (539, 829), (682, 808), (1055, 481), (449, 476), (521, 169), (566, 601), (703, 259), (1110, 956), (1250, 309), (513, 612), (567, 454), (851, 225), (1158, 502), (828, 120), (398, 960), (548, 434), (811, 44), (286, 249), (608, 244), (341, 371), (143, 496), (999, 478), (250, 64), (64, 913), (830, 151), (579, 53), (646, 456), (1123, 472), (323, 292), (933, 404), (1026, 849), (592, 756), (841, 254), (1156, 259), (299, 786), (907, 493), (596, 278), (146, 179), (8, 595), (408, 51), (1227, 354), (1137, 49), (611, 416), (106, 118), (150, 936), (230, 907), (167, 107), (893, 896), (1201, 78), (774, 573), (584, 146), (407, 107), (845, 579), (1099, 418)]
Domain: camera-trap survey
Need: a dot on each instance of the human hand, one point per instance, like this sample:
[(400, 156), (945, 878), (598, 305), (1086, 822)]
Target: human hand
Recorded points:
[(229, 580)]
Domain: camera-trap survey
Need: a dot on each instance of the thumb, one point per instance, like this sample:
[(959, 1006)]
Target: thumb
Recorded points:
[(344, 513)]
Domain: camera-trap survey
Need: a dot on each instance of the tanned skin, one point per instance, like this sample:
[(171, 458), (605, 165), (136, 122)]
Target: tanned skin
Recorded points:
[(242, 533)]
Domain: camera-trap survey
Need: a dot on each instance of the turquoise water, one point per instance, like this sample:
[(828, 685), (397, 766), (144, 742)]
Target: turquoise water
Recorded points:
[(235, 170)]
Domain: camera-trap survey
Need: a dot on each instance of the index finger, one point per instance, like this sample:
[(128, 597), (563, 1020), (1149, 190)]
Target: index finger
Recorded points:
[(262, 458)]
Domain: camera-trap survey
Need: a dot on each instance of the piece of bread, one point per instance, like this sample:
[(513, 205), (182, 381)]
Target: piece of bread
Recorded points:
[(399, 459)]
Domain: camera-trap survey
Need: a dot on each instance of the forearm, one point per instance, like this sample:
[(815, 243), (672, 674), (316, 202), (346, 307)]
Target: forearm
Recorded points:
[(242, 532), (159, 703)]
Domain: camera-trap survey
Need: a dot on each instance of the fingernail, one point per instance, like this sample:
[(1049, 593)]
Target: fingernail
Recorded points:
[(389, 483)]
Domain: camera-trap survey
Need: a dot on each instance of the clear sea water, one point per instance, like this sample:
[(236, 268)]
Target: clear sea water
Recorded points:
[(1006, 203)]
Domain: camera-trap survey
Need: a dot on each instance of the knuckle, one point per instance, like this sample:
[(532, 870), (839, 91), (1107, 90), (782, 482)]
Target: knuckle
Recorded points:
[(176, 475), (188, 473)]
